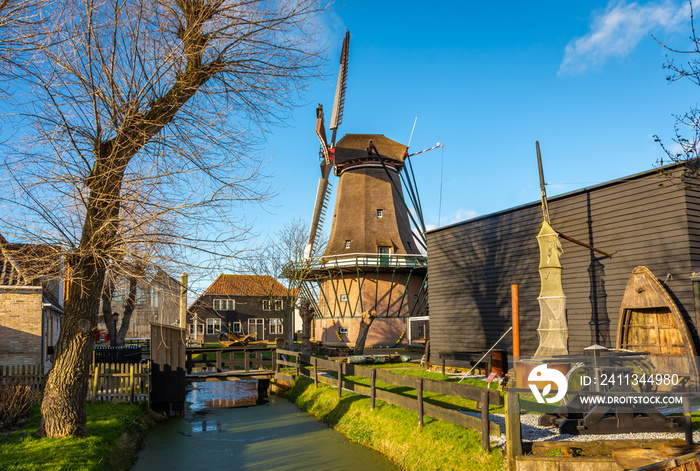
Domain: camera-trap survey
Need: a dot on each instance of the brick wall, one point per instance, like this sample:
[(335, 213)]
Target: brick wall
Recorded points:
[(20, 325)]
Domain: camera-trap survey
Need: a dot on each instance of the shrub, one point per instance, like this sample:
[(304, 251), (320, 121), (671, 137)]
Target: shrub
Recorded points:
[(15, 402)]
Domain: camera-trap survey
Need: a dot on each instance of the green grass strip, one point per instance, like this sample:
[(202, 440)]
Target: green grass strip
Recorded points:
[(115, 433), (394, 432)]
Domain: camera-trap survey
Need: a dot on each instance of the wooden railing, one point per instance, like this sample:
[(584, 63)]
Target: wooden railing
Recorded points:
[(230, 358), (127, 382), (313, 366)]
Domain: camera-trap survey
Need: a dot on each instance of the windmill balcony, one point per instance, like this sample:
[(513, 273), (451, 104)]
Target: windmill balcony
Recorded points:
[(371, 260)]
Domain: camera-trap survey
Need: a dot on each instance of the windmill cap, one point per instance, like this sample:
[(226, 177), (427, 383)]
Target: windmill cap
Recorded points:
[(353, 147)]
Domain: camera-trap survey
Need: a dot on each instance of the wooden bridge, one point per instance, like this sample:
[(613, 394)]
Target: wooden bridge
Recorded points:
[(225, 363)]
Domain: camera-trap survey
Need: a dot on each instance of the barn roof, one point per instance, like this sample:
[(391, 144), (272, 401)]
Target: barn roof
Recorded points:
[(246, 285)]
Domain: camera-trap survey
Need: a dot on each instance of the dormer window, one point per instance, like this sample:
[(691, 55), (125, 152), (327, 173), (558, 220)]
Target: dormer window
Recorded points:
[(380, 214)]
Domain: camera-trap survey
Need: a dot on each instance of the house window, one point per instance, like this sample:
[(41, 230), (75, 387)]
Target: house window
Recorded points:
[(347, 244), (213, 326), (279, 304), (224, 304), (343, 298), (200, 328), (237, 327), (276, 326), (155, 297), (380, 213), (266, 304)]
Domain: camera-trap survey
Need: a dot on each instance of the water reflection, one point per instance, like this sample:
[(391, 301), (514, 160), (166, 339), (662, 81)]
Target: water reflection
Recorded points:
[(223, 394)]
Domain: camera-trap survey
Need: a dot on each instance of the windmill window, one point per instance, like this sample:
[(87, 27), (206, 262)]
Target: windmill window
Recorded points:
[(342, 330), (343, 298), (380, 213), (384, 250), (347, 244)]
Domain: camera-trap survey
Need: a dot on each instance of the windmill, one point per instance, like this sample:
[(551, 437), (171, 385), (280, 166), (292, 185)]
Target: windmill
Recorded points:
[(372, 267)]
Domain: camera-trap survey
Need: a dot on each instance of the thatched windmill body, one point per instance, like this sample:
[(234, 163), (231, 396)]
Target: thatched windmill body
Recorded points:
[(372, 267)]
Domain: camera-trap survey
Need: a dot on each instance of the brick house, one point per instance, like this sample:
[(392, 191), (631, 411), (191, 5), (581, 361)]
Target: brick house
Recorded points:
[(241, 304), (31, 300)]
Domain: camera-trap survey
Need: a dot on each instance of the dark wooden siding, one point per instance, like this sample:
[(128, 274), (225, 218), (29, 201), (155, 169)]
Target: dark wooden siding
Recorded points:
[(472, 265)]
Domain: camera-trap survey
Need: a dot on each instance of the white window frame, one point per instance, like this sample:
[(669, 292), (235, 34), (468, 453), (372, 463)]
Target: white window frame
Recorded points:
[(279, 304), (276, 326), (379, 250), (380, 214), (224, 304), (256, 321), (266, 305), (343, 330), (237, 327), (213, 325), (347, 244), (343, 298)]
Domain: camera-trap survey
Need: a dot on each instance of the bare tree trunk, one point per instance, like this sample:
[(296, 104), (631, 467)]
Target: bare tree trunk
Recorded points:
[(367, 319), (107, 296), (65, 395), (307, 317), (128, 310)]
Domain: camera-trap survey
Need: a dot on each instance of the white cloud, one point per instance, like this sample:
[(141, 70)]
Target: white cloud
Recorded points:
[(463, 215), (617, 30)]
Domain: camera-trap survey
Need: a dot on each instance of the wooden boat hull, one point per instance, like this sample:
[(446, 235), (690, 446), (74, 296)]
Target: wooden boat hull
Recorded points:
[(651, 322)]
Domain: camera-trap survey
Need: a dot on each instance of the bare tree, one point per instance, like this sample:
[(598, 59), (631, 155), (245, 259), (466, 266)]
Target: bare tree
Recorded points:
[(282, 257), (144, 119), (687, 128)]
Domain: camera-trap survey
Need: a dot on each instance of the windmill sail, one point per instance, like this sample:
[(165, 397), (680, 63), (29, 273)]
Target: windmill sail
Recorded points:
[(322, 193), (339, 101)]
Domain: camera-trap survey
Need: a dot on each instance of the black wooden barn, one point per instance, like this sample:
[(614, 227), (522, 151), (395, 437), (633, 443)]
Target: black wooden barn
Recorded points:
[(649, 219)]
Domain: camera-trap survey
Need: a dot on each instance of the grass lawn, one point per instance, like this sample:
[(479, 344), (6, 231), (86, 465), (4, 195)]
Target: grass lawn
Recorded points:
[(108, 446), (394, 432)]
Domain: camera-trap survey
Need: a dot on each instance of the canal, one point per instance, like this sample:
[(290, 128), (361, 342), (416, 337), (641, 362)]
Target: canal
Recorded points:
[(276, 436)]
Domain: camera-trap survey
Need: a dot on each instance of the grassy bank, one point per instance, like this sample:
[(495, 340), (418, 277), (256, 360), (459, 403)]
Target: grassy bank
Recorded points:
[(394, 432), (115, 434)]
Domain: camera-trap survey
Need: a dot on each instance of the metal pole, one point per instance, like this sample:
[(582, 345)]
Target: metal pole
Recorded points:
[(516, 319)]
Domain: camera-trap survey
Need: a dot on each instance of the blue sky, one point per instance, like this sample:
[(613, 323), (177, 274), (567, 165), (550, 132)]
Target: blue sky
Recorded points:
[(488, 79)]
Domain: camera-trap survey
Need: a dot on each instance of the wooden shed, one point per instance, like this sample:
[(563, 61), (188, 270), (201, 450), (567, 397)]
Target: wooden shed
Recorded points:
[(649, 219)]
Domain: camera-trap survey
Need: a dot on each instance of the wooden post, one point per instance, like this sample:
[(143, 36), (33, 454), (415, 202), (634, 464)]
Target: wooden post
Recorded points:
[(443, 364), (297, 362), (688, 421), (246, 360), (372, 388), (315, 362), (485, 432), (95, 370), (275, 365), (218, 361), (514, 443), (340, 379), (131, 383), (515, 301), (188, 362), (183, 302), (419, 396)]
